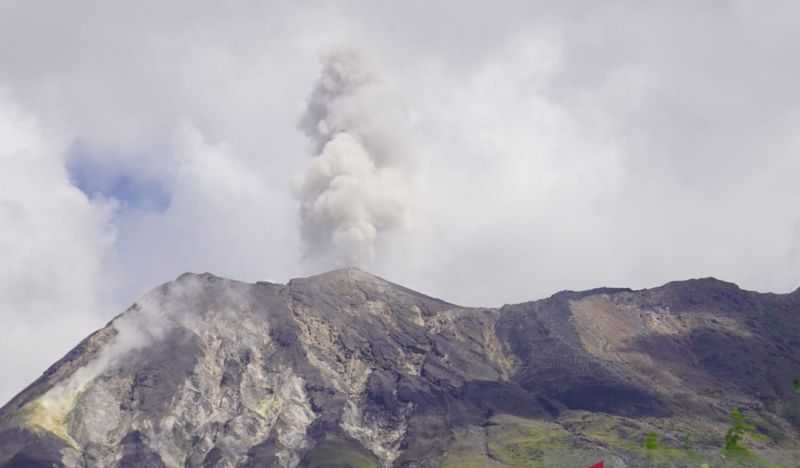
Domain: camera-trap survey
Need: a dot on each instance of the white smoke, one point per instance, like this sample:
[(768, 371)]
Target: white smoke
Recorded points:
[(358, 185), (182, 304)]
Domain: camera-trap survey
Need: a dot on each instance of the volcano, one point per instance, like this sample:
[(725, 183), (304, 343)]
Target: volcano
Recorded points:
[(345, 369)]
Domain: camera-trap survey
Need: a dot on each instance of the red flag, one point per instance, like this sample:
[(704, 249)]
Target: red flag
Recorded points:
[(597, 465)]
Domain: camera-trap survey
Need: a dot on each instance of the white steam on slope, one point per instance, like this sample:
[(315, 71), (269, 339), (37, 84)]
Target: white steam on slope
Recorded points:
[(148, 321), (357, 187)]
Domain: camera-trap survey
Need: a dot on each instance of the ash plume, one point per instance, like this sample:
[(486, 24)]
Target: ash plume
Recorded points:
[(357, 186)]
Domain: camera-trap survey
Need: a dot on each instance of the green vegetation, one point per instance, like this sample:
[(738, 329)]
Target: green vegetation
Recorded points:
[(527, 442), (739, 427), (641, 445), (579, 437), (467, 460), (468, 449), (650, 441), (733, 448), (796, 385), (336, 452)]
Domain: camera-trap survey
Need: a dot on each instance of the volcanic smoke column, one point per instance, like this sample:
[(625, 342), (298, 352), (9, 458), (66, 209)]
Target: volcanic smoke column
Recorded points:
[(357, 186)]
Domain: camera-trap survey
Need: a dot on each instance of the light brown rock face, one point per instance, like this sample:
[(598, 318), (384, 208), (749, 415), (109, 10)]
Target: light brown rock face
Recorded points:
[(346, 369)]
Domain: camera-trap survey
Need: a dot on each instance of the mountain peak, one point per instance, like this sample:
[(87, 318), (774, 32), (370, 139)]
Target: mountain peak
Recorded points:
[(344, 365), (345, 274), (708, 282)]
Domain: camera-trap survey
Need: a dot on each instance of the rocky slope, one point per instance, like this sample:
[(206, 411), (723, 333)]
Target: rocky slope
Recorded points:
[(346, 369)]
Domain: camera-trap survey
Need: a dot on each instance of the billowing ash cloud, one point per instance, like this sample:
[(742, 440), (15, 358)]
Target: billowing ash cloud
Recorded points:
[(357, 186)]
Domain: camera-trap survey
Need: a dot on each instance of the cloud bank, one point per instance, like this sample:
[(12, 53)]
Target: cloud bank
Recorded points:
[(52, 243), (479, 152)]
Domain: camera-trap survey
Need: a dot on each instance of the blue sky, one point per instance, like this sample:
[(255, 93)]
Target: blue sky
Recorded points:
[(97, 178)]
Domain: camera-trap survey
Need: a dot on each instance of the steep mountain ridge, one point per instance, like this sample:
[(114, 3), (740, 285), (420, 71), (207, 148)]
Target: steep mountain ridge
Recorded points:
[(347, 369)]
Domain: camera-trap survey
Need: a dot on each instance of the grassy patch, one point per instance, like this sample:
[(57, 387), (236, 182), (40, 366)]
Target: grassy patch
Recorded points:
[(642, 443), (468, 449), (526, 442), (466, 460), (336, 452)]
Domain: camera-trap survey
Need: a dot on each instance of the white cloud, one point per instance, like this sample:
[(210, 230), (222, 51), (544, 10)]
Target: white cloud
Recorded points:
[(223, 218), (52, 242), (555, 145)]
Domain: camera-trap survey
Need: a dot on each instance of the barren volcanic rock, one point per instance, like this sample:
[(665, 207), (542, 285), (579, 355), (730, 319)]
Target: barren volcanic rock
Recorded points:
[(346, 369)]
